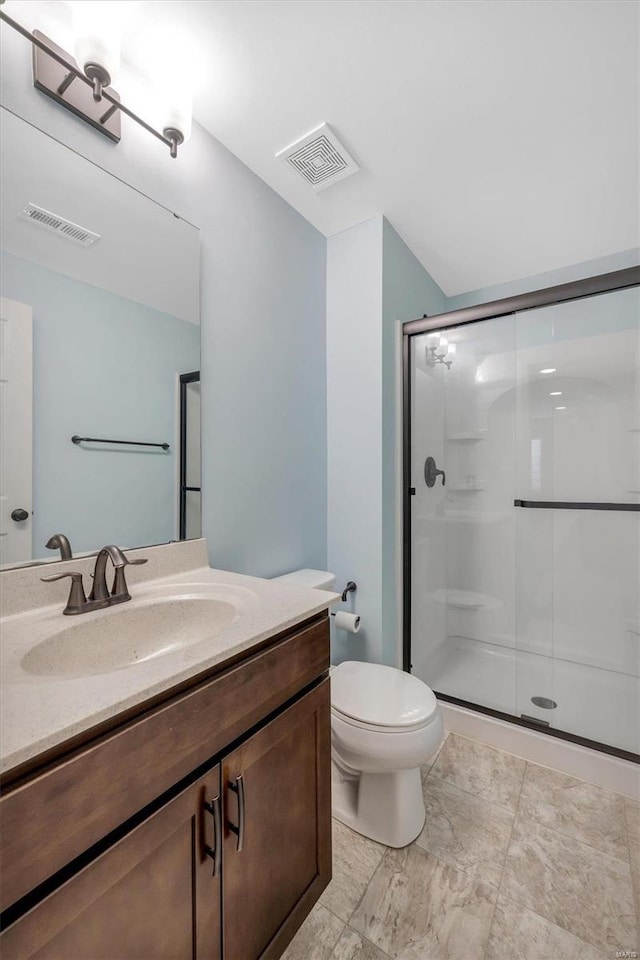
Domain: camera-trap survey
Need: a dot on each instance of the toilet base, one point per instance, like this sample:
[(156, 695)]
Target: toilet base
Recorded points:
[(387, 807)]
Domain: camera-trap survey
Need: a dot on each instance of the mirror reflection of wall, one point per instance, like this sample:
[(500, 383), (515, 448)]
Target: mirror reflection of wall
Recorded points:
[(190, 489), (95, 337)]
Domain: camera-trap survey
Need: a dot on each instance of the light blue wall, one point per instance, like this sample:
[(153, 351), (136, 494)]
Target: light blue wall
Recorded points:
[(354, 431), (263, 331), (102, 366), (374, 284), (578, 271), (408, 291)]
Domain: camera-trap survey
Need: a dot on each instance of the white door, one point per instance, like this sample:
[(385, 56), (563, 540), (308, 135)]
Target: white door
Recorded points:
[(16, 429)]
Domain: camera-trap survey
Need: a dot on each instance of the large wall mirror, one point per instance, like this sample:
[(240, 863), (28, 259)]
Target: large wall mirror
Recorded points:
[(100, 352)]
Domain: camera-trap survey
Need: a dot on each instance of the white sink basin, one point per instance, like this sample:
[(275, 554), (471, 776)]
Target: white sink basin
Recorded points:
[(130, 633)]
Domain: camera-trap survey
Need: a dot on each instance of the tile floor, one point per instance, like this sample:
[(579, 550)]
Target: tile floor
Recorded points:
[(515, 862)]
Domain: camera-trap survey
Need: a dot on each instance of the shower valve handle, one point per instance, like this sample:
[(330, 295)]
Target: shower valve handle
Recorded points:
[(431, 473)]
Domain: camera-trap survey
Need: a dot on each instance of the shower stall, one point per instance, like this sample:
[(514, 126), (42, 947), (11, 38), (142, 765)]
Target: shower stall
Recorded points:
[(522, 509)]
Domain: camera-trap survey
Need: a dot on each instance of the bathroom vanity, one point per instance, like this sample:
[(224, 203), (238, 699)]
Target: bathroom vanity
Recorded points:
[(191, 818)]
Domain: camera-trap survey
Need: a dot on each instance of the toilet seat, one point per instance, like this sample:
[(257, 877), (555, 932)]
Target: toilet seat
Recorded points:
[(376, 697), (376, 728)]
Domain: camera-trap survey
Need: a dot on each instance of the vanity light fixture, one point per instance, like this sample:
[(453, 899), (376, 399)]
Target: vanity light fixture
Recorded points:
[(548, 370), (556, 393), (443, 353), (83, 85)]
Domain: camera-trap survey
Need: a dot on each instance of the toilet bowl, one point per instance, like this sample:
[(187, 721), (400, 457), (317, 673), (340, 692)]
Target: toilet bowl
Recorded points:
[(385, 724)]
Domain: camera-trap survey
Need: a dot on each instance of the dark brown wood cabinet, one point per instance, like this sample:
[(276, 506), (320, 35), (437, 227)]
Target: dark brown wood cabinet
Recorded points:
[(224, 866), (277, 847), (151, 895)]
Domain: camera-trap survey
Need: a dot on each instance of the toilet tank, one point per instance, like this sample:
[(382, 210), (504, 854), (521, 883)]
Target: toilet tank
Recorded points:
[(318, 579)]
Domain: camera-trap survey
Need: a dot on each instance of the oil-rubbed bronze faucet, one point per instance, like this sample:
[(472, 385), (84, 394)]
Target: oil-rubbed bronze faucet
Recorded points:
[(119, 592), (59, 542), (100, 596)]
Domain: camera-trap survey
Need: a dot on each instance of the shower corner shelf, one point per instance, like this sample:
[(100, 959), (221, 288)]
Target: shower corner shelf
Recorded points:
[(467, 599)]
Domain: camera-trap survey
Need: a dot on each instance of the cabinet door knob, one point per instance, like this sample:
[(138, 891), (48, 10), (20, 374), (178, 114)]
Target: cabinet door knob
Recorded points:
[(238, 789), (215, 852)]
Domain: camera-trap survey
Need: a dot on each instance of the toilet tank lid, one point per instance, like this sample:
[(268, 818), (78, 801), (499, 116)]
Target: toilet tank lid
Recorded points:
[(318, 579), (382, 696)]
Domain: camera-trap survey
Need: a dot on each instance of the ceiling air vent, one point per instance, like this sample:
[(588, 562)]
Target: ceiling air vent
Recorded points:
[(320, 158), (64, 228)]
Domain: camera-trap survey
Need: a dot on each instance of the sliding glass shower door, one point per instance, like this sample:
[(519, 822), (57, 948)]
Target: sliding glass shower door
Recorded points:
[(525, 522)]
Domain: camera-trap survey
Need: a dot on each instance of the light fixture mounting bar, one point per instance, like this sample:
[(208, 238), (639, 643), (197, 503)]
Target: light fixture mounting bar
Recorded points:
[(61, 84), (73, 72)]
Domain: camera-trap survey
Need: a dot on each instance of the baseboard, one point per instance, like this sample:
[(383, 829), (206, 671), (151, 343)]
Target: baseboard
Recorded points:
[(612, 773)]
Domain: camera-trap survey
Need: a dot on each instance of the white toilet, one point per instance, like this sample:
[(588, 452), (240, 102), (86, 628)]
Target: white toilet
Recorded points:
[(385, 724)]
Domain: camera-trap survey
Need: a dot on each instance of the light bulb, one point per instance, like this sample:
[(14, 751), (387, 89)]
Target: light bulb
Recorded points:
[(556, 393), (98, 28), (548, 370), (170, 65), (177, 112)]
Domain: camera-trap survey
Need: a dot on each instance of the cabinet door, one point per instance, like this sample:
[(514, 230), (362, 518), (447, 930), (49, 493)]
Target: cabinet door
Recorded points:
[(151, 896), (277, 846)]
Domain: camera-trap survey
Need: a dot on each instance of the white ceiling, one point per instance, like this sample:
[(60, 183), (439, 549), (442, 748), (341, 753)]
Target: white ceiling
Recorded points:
[(499, 137)]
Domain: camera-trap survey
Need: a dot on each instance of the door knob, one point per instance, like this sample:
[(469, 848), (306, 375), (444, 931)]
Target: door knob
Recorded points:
[(431, 472), (19, 514)]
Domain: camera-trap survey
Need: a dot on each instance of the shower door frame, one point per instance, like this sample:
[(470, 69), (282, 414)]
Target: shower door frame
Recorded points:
[(548, 296)]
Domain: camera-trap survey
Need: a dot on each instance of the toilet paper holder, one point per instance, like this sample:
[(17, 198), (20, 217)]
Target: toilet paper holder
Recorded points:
[(351, 587)]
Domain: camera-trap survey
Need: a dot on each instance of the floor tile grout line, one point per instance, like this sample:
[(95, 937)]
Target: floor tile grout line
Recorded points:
[(582, 843), (544, 766), (453, 866), (553, 923), (362, 936), (515, 813), (536, 823), (504, 862), (340, 935), (469, 792), (570, 836), (332, 912), (488, 746), (364, 892), (635, 894), (444, 863), (301, 928), (531, 763), (536, 912), (497, 889)]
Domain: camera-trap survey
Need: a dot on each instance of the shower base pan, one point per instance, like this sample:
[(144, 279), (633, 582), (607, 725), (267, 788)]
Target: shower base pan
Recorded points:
[(501, 681)]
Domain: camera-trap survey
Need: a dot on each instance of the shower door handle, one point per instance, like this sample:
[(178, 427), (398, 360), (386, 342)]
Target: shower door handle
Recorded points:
[(431, 473)]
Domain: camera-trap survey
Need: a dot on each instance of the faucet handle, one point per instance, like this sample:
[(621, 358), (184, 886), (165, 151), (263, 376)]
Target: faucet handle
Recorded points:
[(120, 591), (74, 574), (77, 599)]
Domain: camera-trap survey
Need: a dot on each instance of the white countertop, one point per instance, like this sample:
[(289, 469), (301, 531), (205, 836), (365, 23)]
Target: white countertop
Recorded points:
[(38, 712)]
